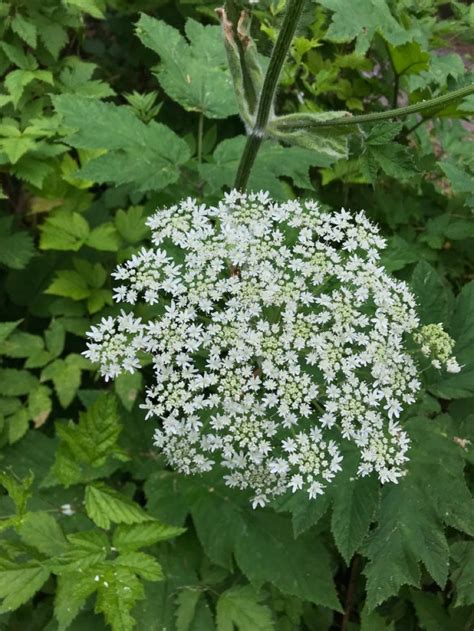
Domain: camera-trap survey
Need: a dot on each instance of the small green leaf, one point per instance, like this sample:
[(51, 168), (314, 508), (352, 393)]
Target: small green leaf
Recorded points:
[(104, 505), (43, 532), (137, 536), (240, 607), (69, 284), (19, 583), (14, 383), (64, 231), (104, 238)]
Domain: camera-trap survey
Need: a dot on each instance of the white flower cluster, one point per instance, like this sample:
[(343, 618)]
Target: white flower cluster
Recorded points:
[(275, 331), (438, 345)]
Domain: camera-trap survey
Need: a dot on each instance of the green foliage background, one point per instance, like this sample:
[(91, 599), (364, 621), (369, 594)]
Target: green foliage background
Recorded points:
[(110, 108)]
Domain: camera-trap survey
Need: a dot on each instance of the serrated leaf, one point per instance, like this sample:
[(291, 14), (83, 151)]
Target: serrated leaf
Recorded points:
[(71, 595), (25, 29), (16, 248), (430, 611), (148, 156), (19, 583), (137, 536), (186, 602), (117, 594), (462, 574), (14, 383), (39, 405), (104, 506), (42, 531), (131, 224), (144, 565), (194, 74), (434, 297), (85, 550), (64, 231), (366, 18), (69, 284), (240, 608), (18, 490), (355, 502), (66, 377), (6, 328), (128, 386), (104, 238)]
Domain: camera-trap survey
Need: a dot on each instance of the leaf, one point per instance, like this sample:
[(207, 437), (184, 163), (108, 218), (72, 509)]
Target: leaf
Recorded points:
[(14, 383), (272, 161), (137, 536), (104, 505), (131, 224), (186, 601), (71, 595), (86, 549), (64, 231), (128, 386), (43, 532), (239, 607), (92, 7), (18, 490), (19, 583), (148, 156), (394, 159), (430, 611), (94, 439), (146, 566), (366, 18), (104, 238), (117, 593), (462, 574), (399, 253), (25, 29), (461, 180), (69, 284), (195, 74), (6, 328), (409, 58), (39, 405), (329, 143), (66, 377), (355, 502), (412, 514), (434, 298), (16, 248)]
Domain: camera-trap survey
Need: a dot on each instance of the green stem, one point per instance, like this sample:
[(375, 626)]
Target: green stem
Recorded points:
[(270, 83), (199, 137), (423, 106)]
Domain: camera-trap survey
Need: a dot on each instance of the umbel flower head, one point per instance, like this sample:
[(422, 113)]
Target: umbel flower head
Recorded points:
[(275, 333)]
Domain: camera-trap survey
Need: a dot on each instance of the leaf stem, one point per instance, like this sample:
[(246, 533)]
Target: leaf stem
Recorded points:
[(423, 106), (270, 83)]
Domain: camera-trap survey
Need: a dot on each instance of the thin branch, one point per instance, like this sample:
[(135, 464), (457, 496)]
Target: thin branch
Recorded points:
[(423, 106)]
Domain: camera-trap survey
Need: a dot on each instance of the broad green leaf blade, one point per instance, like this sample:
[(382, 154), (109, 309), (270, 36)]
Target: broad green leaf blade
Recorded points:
[(42, 531), (19, 583), (194, 74)]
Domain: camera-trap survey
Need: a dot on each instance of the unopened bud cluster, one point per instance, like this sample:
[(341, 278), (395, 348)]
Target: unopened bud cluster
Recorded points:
[(438, 345), (274, 333)]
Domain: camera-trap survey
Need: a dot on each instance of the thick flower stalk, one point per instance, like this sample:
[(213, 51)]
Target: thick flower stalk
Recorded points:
[(274, 334)]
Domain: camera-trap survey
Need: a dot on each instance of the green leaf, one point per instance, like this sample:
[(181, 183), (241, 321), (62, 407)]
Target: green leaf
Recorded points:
[(195, 74), (146, 566), (128, 386), (94, 439), (64, 231), (148, 156), (69, 284), (39, 405), (131, 224), (462, 574), (240, 608), (355, 502), (22, 344), (363, 21), (14, 383), (272, 161), (92, 7), (394, 159), (104, 238), (25, 29), (409, 58), (19, 583), (435, 299), (430, 611), (71, 595), (330, 143), (86, 549), (16, 248), (186, 602), (66, 377), (6, 328), (117, 593), (43, 532), (137, 536), (104, 505), (18, 490)]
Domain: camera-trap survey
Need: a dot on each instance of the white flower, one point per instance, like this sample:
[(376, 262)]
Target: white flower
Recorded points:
[(275, 331)]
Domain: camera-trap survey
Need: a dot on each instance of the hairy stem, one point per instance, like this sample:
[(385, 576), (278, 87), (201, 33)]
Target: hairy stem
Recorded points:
[(270, 83), (423, 106)]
